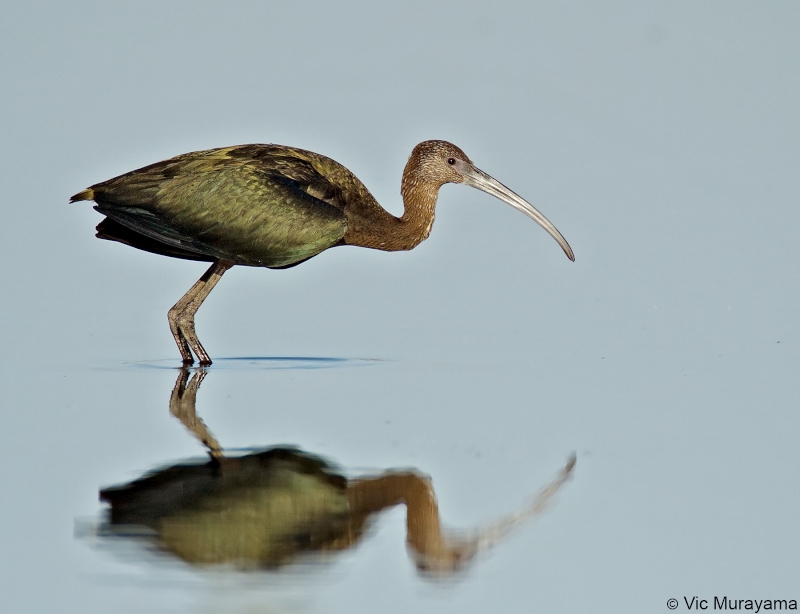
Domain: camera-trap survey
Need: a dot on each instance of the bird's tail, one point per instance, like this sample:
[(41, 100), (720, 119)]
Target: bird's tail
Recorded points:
[(87, 194)]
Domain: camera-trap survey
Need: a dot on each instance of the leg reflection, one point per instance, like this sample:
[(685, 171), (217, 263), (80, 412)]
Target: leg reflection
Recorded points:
[(183, 405)]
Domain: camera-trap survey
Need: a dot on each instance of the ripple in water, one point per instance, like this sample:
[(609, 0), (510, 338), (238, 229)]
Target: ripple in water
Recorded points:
[(257, 363)]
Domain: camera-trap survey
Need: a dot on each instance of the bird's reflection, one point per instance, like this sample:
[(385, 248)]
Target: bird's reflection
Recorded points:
[(270, 507)]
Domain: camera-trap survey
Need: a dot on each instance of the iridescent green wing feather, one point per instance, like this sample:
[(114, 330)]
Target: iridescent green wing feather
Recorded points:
[(259, 205)]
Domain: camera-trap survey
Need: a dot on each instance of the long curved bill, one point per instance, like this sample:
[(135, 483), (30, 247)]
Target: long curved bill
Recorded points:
[(486, 183)]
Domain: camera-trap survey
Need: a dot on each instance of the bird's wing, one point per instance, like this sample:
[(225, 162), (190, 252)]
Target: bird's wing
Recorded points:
[(112, 230), (311, 173), (270, 209)]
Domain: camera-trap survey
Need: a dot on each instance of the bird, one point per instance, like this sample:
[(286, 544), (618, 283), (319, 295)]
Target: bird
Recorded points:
[(274, 206)]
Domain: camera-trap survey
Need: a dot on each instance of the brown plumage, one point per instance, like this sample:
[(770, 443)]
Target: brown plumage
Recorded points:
[(273, 206)]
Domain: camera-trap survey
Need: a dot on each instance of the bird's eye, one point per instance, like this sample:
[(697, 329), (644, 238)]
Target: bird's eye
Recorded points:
[(451, 161)]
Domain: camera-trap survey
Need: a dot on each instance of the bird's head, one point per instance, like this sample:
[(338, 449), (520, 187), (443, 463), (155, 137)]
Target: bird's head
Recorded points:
[(437, 163), (434, 163)]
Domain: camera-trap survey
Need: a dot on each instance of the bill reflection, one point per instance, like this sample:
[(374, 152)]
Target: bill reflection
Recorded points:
[(281, 505)]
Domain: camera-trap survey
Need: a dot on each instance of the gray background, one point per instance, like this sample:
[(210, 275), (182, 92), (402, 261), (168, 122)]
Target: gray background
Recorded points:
[(661, 138)]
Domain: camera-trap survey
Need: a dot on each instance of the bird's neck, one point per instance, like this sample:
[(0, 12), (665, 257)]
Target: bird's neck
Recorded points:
[(419, 201), (379, 229)]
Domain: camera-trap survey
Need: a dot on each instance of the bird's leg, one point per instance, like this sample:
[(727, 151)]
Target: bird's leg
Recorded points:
[(180, 340), (181, 316), (183, 405), (176, 317)]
